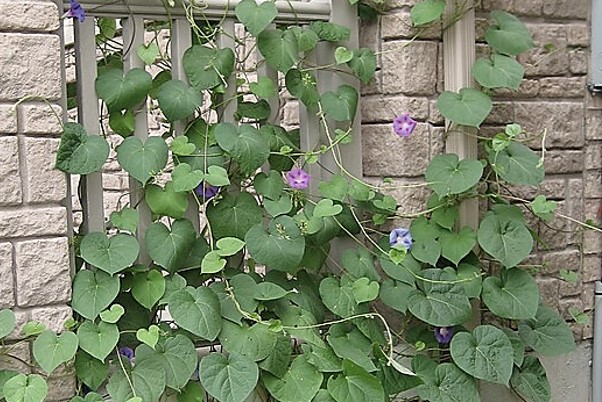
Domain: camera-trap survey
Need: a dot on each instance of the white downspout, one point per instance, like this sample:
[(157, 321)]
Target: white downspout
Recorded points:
[(597, 353)]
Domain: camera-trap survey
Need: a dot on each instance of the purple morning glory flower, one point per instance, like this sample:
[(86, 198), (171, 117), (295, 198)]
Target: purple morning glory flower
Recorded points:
[(404, 125), (76, 11), (298, 179), (444, 334), (400, 238), (127, 352), (206, 191)]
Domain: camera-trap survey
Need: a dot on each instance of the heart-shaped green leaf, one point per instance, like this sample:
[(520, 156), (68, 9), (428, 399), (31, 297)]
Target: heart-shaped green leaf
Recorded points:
[(364, 290), (148, 336), (330, 32), (281, 247), (255, 17), (228, 378), (359, 263), (449, 383), (170, 248), (283, 205), (147, 378), (254, 342), (197, 311), (498, 71), (427, 251), (517, 164), (206, 67), (447, 174), (125, 219), (355, 384), (507, 240), (148, 53), (342, 55), (338, 298), (299, 384), (245, 144), (264, 88), (455, 246), (80, 153), (350, 343), (212, 263), (93, 292), (112, 255), (90, 371), (486, 354), (280, 48), (51, 350), (363, 64), (530, 381), (514, 296), (217, 176), (25, 388), (547, 333), (340, 105), (148, 288), (142, 161), (269, 185), (326, 208), (181, 146), (234, 215), (166, 201), (98, 340), (427, 11), (509, 35), (112, 315), (395, 294), (123, 92), (269, 291), (123, 123), (469, 107), (186, 179), (178, 101), (304, 86), (7, 322)]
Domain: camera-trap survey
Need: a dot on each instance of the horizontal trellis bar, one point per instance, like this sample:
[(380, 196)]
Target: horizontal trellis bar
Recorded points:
[(288, 11)]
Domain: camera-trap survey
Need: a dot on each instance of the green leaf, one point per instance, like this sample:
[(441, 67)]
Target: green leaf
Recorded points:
[(281, 247), (123, 92), (336, 188), (98, 340), (256, 18), (170, 248), (25, 388), (269, 291), (217, 176), (304, 86), (33, 328), (260, 110), (351, 344), (93, 292), (299, 384), (7, 322), (142, 161), (234, 215), (515, 295), (148, 53), (395, 294), (355, 384), (185, 179), (326, 208), (330, 32), (447, 174), (166, 201), (90, 371), (427, 251), (269, 185), (51, 350), (280, 48), (445, 213), (486, 354), (147, 378), (498, 71), (543, 208), (192, 392), (342, 104), (112, 315), (212, 263), (531, 382), (517, 164), (293, 316), (125, 219), (254, 342), (228, 246), (455, 246), (509, 35), (404, 271), (323, 358), (518, 346), (279, 358), (364, 290), (206, 67), (197, 311), (80, 153), (264, 88), (363, 64), (228, 378), (338, 298), (443, 303), (547, 333), (180, 146), (178, 101), (307, 39), (148, 288), (472, 280), (359, 263), (112, 255), (427, 11), (508, 241), (245, 144), (177, 356), (469, 107), (450, 385), (342, 55)]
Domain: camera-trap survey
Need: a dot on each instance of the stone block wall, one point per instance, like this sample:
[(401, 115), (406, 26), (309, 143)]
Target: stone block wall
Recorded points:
[(35, 269)]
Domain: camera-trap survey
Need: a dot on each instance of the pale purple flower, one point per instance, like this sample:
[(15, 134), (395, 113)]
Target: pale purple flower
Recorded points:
[(444, 334), (298, 179), (127, 352), (206, 191), (400, 238), (404, 125), (76, 11)]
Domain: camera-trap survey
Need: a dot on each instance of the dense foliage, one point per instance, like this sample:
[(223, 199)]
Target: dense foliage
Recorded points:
[(294, 324)]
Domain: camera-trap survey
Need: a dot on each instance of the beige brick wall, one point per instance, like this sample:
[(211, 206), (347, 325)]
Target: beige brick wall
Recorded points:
[(35, 271)]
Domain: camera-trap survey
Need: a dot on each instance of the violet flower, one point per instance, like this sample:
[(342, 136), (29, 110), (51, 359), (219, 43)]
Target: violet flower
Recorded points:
[(444, 334), (127, 352), (76, 11), (298, 179), (206, 191), (400, 238), (404, 125)]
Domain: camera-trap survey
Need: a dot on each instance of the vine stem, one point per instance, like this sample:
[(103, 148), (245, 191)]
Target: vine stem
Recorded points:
[(127, 377), (41, 98)]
